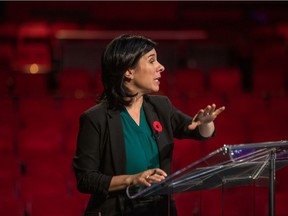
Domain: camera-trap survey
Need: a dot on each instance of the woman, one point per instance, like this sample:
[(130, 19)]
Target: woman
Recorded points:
[(127, 139)]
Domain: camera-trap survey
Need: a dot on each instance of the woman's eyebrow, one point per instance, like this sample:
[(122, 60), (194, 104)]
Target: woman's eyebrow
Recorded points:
[(151, 55)]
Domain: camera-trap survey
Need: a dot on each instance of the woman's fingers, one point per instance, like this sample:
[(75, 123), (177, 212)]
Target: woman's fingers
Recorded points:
[(153, 176), (205, 116), (219, 110), (212, 109)]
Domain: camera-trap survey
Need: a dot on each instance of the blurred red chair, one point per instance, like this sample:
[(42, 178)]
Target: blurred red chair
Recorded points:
[(8, 126), (10, 166), (281, 201), (7, 53), (31, 85), (225, 81), (33, 58), (193, 105), (270, 53), (45, 174), (279, 104), (265, 126), (11, 207), (188, 203), (187, 82), (36, 140), (55, 205), (75, 83), (261, 201), (33, 52), (72, 108), (232, 196), (33, 30), (246, 104), (212, 199), (271, 82), (6, 83), (40, 126), (8, 41), (281, 180), (230, 129), (34, 186), (8, 31), (10, 187), (9, 178), (45, 165), (185, 152)]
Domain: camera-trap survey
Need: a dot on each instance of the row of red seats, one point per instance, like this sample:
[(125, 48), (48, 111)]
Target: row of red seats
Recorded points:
[(47, 181), (53, 122), (182, 83), (31, 178), (37, 185)]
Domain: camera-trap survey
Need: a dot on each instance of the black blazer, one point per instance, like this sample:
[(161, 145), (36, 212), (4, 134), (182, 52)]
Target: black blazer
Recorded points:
[(100, 150)]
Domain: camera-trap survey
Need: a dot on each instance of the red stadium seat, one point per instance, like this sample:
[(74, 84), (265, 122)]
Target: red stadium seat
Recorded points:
[(8, 122), (31, 85), (246, 104), (265, 126), (40, 126), (60, 205), (187, 83), (271, 82), (33, 58), (33, 30), (225, 81), (11, 206), (32, 187), (75, 83), (72, 108)]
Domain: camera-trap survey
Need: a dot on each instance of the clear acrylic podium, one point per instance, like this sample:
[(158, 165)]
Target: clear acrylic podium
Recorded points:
[(228, 166)]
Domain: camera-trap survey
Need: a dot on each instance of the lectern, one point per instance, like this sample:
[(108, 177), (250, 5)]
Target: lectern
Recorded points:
[(228, 166)]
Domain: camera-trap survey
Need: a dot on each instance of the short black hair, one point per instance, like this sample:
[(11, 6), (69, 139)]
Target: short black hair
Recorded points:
[(121, 54)]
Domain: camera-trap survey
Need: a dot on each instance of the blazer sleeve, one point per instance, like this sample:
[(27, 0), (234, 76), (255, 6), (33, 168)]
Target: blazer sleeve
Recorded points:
[(87, 159), (178, 121)]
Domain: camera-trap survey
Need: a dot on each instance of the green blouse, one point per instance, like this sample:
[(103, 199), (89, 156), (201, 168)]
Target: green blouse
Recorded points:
[(141, 148)]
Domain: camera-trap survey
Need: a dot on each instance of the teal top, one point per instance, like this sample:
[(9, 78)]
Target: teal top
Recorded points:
[(141, 148)]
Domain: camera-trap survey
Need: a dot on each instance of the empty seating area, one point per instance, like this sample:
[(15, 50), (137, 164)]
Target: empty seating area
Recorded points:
[(44, 89)]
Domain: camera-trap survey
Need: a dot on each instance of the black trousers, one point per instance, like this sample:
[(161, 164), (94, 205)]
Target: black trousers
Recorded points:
[(152, 206), (121, 205)]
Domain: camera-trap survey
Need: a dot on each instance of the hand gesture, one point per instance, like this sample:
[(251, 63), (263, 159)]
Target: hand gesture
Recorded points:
[(205, 116)]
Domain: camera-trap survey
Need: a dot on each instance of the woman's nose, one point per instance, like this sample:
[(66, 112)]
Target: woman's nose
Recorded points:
[(162, 68)]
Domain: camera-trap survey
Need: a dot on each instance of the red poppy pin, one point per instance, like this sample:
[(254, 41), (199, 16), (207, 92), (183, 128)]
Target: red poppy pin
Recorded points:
[(157, 126)]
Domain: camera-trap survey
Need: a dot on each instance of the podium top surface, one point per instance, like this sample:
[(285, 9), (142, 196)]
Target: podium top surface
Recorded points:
[(230, 165)]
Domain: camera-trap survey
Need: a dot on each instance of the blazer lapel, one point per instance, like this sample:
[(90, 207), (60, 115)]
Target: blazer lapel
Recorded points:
[(117, 142)]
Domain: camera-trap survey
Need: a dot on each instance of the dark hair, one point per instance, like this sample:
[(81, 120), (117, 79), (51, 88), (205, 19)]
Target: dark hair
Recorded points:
[(121, 54)]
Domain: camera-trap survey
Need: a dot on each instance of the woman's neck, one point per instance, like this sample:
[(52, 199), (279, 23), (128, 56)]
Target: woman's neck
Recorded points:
[(134, 108), (136, 103)]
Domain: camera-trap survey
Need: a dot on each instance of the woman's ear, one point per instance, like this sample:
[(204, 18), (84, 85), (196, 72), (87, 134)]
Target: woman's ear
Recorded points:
[(129, 74)]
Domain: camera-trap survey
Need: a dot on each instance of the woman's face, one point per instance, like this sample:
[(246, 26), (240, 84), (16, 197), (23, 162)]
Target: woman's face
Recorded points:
[(145, 78)]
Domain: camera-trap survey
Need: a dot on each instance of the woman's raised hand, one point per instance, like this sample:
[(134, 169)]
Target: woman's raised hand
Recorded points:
[(205, 116)]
